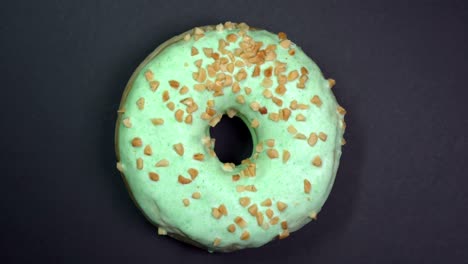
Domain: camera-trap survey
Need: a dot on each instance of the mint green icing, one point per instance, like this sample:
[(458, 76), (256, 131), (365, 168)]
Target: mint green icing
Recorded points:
[(161, 201)]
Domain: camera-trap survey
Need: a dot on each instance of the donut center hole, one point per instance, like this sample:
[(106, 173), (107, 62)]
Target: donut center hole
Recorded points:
[(233, 140)]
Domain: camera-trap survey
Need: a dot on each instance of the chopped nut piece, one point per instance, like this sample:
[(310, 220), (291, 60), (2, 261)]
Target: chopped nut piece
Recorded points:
[(272, 153), (216, 213), (259, 217), (162, 231), (139, 163), (331, 83), (322, 136), (244, 201), (196, 195), (300, 136), (170, 106), (223, 210), (341, 110), (253, 209), (286, 156), (165, 96), (126, 122), (304, 71), (231, 113), (302, 106), (179, 148), (231, 37), (174, 84), (292, 129), (193, 173), (317, 161), (274, 220), (241, 75), (199, 156), (188, 119), (179, 115), (284, 225), (235, 87), (199, 87), (292, 52), (247, 90), (194, 51), (274, 117), (266, 202), (154, 85), (307, 186), (343, 142), (215, 120), (267, 93), (312, 139), (162, 163), (267, 82), (235, 177), (141, 103), (187, 37), (181, 179), (186, 202), (256, 71), (316, 101), (268, 72), (157, 121), (281, 206), (231, 228), (119, 166), (240, 222), (219, 27), (300, 117), (270, 142), (284, 234), (285, 43), (285, 113), (255, 105), (148, 151), (313, 215), (282, 35), (240, 99), (277, 101), (136, 142), (269, 213), (293, 75), (149, 75), (153, 176), (245, 235), (216, 242), (281, 89)]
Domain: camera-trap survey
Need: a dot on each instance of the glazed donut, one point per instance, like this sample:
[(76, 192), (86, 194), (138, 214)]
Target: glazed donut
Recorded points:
[(167, 158)]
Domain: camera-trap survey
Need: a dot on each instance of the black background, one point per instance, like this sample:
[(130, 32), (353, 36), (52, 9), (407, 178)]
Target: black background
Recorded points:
[(402, 73)]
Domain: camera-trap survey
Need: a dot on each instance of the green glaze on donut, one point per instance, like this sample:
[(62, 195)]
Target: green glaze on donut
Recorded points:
[(167, 158)]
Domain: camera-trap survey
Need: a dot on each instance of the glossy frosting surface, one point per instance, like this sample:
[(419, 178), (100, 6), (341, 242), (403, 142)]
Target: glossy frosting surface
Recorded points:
[(220, 207)]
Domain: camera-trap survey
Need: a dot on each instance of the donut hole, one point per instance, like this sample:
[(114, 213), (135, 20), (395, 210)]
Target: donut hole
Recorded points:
[(233, 140)]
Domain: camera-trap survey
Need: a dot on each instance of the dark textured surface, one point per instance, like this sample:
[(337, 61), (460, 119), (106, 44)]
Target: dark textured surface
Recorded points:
[(401, 70)]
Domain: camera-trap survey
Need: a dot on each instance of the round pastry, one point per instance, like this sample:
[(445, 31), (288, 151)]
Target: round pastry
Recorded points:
[(167, 158)]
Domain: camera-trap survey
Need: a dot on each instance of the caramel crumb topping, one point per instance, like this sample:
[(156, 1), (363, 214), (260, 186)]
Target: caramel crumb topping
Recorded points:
[(317, 161), (141, 103), (148, 151), (245, 235), (312, 139), (269, 213), (281, 206), (231, 228), (199, 156), (266, 202), (162, 163), (179, 149), (157, 121), (186, 202), (181, 179), (244, 201), (272, 153), (286, 155), (196, 195), (153, 176), (307, 186), (240, 222), (139, 163), (136, 142), (316, 101), (126, 122), (216, 242)]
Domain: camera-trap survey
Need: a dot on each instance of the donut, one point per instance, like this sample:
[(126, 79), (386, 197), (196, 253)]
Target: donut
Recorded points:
[(166, 155)]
